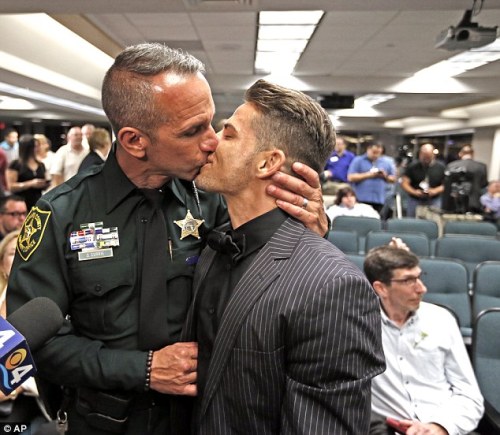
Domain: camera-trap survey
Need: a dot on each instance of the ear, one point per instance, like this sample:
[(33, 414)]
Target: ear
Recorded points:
[(270, 162), (134, 141), (380, 288)]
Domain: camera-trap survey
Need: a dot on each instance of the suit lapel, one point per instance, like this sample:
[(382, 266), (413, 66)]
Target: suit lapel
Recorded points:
[(262, 272), (202, 268)]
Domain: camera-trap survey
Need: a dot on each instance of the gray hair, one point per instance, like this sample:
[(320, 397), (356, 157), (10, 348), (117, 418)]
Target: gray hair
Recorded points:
[(127, 90), (293, 122)]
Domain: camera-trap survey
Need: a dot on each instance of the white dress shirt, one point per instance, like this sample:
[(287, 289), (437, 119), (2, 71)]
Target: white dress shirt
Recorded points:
[(359, 209), (429, 376)]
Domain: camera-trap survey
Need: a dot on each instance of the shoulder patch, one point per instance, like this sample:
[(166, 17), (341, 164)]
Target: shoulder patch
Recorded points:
[(32, 232)]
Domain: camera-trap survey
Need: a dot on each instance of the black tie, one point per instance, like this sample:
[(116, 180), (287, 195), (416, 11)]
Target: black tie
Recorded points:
[(153, 325), (230, 243)]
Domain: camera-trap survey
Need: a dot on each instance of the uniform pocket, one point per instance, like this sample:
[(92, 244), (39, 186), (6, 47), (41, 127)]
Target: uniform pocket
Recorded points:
[(103, 303)]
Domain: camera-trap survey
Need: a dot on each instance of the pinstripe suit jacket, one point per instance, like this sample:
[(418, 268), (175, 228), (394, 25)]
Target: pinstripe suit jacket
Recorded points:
[(297, 345)]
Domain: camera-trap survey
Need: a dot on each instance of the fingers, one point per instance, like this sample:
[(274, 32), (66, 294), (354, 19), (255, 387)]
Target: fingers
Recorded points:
[(173, 370)]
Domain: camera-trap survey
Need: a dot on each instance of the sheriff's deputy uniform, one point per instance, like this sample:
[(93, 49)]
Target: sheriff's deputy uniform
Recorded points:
[(83, 246)]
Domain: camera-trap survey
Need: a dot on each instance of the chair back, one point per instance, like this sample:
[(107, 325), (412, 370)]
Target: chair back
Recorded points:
[(346, 241), (426, 226), (486, 356), (357, 259), (417, 242), (471, 228), (361, 225), (447, 284), (472, 250), (486, 287)]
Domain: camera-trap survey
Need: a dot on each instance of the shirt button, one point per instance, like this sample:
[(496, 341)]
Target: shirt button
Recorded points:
[(211, 310), (98, 288)]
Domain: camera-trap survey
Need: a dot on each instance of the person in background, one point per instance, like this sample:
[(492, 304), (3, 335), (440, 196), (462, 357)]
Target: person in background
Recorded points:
[(369, 174), (120, 244), (44, 152), (429, 385), (288, 330), (490, 202), (346, 204), (23, 404), (423, 180), (336, 168), (10, 144), (87, 130), (100, 144), (26, 176), (68, 158), (13, 212), (478, 171)]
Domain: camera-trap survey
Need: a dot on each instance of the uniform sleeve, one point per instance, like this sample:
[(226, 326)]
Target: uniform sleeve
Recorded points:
[(40, 269), (335, 351)]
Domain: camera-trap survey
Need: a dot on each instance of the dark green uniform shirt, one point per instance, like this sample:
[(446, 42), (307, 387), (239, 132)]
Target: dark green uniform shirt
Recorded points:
[(99, 348)]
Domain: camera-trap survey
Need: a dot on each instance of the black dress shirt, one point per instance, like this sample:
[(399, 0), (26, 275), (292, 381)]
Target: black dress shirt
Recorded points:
[(222, 278)]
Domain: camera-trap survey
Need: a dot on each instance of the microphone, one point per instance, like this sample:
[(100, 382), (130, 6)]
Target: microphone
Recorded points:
[(30, 325)]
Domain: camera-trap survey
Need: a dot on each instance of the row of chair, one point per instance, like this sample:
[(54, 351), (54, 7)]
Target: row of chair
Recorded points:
[(363, 225), (448, 284)]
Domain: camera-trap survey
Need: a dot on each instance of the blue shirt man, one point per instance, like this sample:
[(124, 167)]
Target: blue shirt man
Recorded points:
[(339, 161), (369, 175)]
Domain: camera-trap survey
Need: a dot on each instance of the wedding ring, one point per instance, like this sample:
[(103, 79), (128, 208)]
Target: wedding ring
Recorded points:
[(305, 201)]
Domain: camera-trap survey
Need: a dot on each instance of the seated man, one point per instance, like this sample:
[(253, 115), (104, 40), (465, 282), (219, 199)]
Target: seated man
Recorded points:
[(429, 385)]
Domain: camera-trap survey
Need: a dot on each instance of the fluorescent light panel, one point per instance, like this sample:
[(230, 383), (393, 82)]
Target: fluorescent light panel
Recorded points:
[(462, 62), (282, 38), (38, 96)]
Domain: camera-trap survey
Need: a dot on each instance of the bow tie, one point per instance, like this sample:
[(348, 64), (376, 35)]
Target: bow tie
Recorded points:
[(230, 243)]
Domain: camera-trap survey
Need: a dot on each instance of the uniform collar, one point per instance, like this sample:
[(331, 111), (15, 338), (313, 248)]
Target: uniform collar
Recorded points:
[(119, 187)]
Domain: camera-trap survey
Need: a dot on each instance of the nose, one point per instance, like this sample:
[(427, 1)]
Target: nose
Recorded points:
[(420, 287), (210, 141)]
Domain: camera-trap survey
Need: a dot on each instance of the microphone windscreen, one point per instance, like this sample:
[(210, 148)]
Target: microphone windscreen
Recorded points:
[(37, 320)]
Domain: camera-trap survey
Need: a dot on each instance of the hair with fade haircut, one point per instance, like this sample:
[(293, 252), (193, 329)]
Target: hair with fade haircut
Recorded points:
[(293, 122), (128, 96), (380, 262)]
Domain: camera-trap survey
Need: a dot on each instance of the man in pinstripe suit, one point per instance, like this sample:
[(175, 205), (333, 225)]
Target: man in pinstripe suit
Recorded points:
[(288, 330)]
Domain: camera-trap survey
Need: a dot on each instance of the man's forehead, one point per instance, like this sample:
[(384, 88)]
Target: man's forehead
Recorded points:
[(15, 204), (406, 272)]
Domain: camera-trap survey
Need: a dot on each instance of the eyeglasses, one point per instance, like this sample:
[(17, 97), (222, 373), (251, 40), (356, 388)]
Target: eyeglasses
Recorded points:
[(409, 281), (15, 214)]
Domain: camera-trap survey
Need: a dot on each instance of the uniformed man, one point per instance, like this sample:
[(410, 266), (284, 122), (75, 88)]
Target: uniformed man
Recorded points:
[(87, 245)]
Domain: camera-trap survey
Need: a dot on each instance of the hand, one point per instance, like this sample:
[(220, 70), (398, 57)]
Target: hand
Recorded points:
[(418, 428), (396, 242), (39, 183), (173, 370), (291, 191)]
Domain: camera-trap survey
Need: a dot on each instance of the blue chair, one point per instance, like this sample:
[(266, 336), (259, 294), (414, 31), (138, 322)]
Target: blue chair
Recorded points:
[(426, 226), (417, 242), (447, 284), (357, 259), (472, 228), (346, 241), (486, 287), (486, 362), (361, 225), (472, 250)]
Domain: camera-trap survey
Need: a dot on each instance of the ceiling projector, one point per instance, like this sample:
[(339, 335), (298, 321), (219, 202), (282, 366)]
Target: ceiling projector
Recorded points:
[(466, 35)]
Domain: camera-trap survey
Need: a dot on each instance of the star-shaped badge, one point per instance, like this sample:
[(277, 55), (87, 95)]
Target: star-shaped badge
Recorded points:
[(189, 226)]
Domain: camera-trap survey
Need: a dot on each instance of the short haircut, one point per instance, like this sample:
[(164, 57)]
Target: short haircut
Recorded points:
[(99, 139), (5, 199), (293, 122), (380, 262), (344, 191), (128, 96)]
